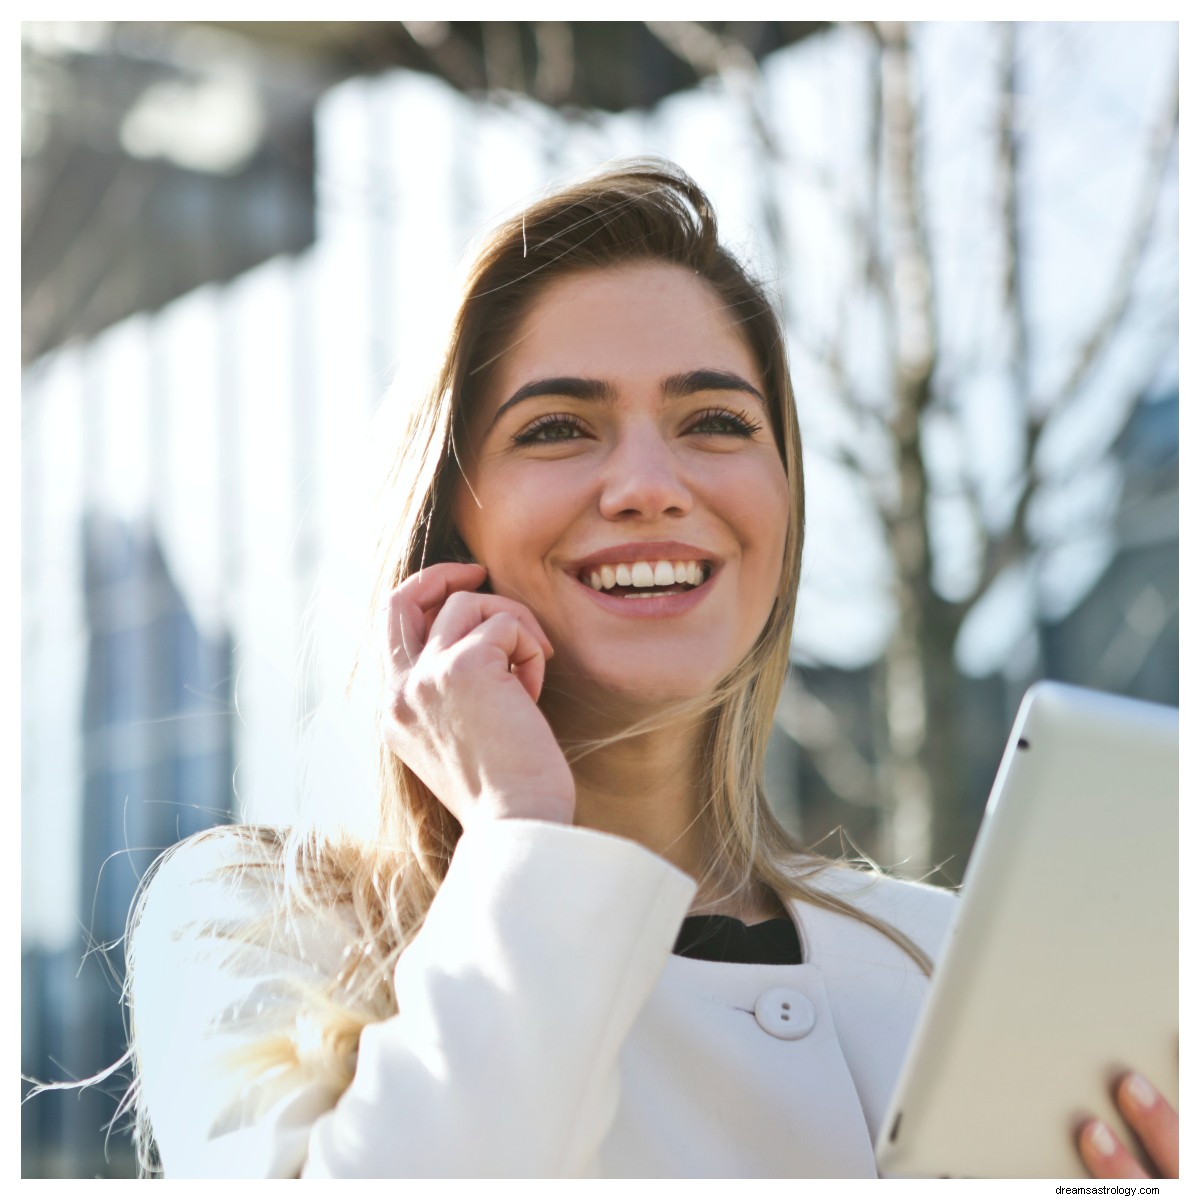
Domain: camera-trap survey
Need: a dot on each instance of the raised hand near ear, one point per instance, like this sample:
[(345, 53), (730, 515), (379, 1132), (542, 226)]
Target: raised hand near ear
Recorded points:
[(464, 673)]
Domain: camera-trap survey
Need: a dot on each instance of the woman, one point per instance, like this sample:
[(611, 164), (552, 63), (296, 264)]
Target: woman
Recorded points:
[(586, 599)]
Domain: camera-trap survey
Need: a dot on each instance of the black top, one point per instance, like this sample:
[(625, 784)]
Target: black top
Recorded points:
[(726, 939)]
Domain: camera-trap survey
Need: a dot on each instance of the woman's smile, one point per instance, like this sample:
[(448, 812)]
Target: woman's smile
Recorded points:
[(648, 579), (623, 482)]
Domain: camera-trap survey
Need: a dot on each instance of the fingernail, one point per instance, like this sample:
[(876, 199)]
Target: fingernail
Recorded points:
[(1139, 1091), (1102, 1141)]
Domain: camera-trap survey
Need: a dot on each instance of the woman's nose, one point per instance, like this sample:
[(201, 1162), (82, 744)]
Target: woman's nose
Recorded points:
[(642, 479)]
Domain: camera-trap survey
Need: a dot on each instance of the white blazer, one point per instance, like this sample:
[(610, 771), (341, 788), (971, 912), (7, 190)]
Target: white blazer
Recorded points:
[(544, 1028)]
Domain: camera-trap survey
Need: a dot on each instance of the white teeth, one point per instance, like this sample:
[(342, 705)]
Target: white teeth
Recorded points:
[(643, 575)]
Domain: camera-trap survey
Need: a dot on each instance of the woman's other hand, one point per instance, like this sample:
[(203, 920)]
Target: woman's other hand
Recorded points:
[(1153, 1121), (464, 673)]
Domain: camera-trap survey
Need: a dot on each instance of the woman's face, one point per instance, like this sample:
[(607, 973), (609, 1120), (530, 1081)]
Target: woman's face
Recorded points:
[(623, 483)]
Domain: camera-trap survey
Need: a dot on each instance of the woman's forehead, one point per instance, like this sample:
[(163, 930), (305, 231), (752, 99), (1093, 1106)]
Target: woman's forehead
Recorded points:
[(626, 325)]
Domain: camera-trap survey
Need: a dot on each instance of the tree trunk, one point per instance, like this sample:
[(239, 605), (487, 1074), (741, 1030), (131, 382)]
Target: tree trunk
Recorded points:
[(945, 752), (924, 760)]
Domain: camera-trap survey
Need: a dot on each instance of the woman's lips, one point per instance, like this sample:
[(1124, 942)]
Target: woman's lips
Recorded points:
[(650, 552), (667, 602)]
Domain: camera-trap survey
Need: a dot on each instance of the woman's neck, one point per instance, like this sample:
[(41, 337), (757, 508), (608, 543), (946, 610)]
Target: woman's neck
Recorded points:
[(646, 788)]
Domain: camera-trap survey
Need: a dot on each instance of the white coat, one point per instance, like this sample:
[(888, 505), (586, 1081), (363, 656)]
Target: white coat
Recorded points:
[(543, 1029)]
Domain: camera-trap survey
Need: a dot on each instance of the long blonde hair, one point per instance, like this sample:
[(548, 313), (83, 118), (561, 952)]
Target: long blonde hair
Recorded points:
[(645, 210)]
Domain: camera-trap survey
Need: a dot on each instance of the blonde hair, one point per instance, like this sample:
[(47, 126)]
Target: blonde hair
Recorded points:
[(644, 210)]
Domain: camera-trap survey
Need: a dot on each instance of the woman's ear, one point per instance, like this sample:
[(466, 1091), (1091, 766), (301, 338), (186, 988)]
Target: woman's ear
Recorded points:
[(457, 548), (460, 552)]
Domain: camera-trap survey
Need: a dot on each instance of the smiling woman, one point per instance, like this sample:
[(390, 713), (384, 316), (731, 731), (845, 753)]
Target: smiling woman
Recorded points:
[(641, 448), (578, 942)]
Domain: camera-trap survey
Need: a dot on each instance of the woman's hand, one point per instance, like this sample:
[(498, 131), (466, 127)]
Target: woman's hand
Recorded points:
[(464, 673), (1153, 1121)]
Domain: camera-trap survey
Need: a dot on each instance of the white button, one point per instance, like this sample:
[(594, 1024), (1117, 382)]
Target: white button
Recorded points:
[(785, 1013)]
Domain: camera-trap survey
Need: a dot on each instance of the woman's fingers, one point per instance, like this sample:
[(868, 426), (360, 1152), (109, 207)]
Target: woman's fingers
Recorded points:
[(436, 609), (464, 611), (506, 635), (416, 608), (1105, 1156), (1155, 1124), (1154, 1121), (417, 600)]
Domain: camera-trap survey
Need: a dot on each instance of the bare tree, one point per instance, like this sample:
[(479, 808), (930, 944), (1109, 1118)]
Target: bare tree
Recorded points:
[(925, 755)]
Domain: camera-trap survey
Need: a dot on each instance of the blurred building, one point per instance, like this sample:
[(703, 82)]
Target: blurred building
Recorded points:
[(157, 741), (153, 163), (160, 156), (155, 159)]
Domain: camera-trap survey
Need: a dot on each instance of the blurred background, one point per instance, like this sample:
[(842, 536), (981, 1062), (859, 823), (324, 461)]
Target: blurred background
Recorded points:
[(236, 236)]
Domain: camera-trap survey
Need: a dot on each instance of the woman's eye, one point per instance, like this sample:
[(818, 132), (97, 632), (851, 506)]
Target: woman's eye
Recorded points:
[(554, 427), (720, 420)]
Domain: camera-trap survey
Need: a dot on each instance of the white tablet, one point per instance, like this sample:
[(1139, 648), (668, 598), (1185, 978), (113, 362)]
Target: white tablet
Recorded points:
[(1062, 969)]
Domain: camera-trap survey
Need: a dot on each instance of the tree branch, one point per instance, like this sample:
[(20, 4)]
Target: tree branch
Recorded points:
[(1001, 550), (912, 277), (912, 290), (1008, 172), (868, 222), (1157, 159), (1013, 544)]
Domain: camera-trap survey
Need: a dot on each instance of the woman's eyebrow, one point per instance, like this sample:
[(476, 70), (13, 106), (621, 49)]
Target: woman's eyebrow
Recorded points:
[(707, 380), (560, 385)]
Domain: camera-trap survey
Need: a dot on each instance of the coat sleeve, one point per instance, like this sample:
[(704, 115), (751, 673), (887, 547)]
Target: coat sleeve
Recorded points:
[(537, 954)]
